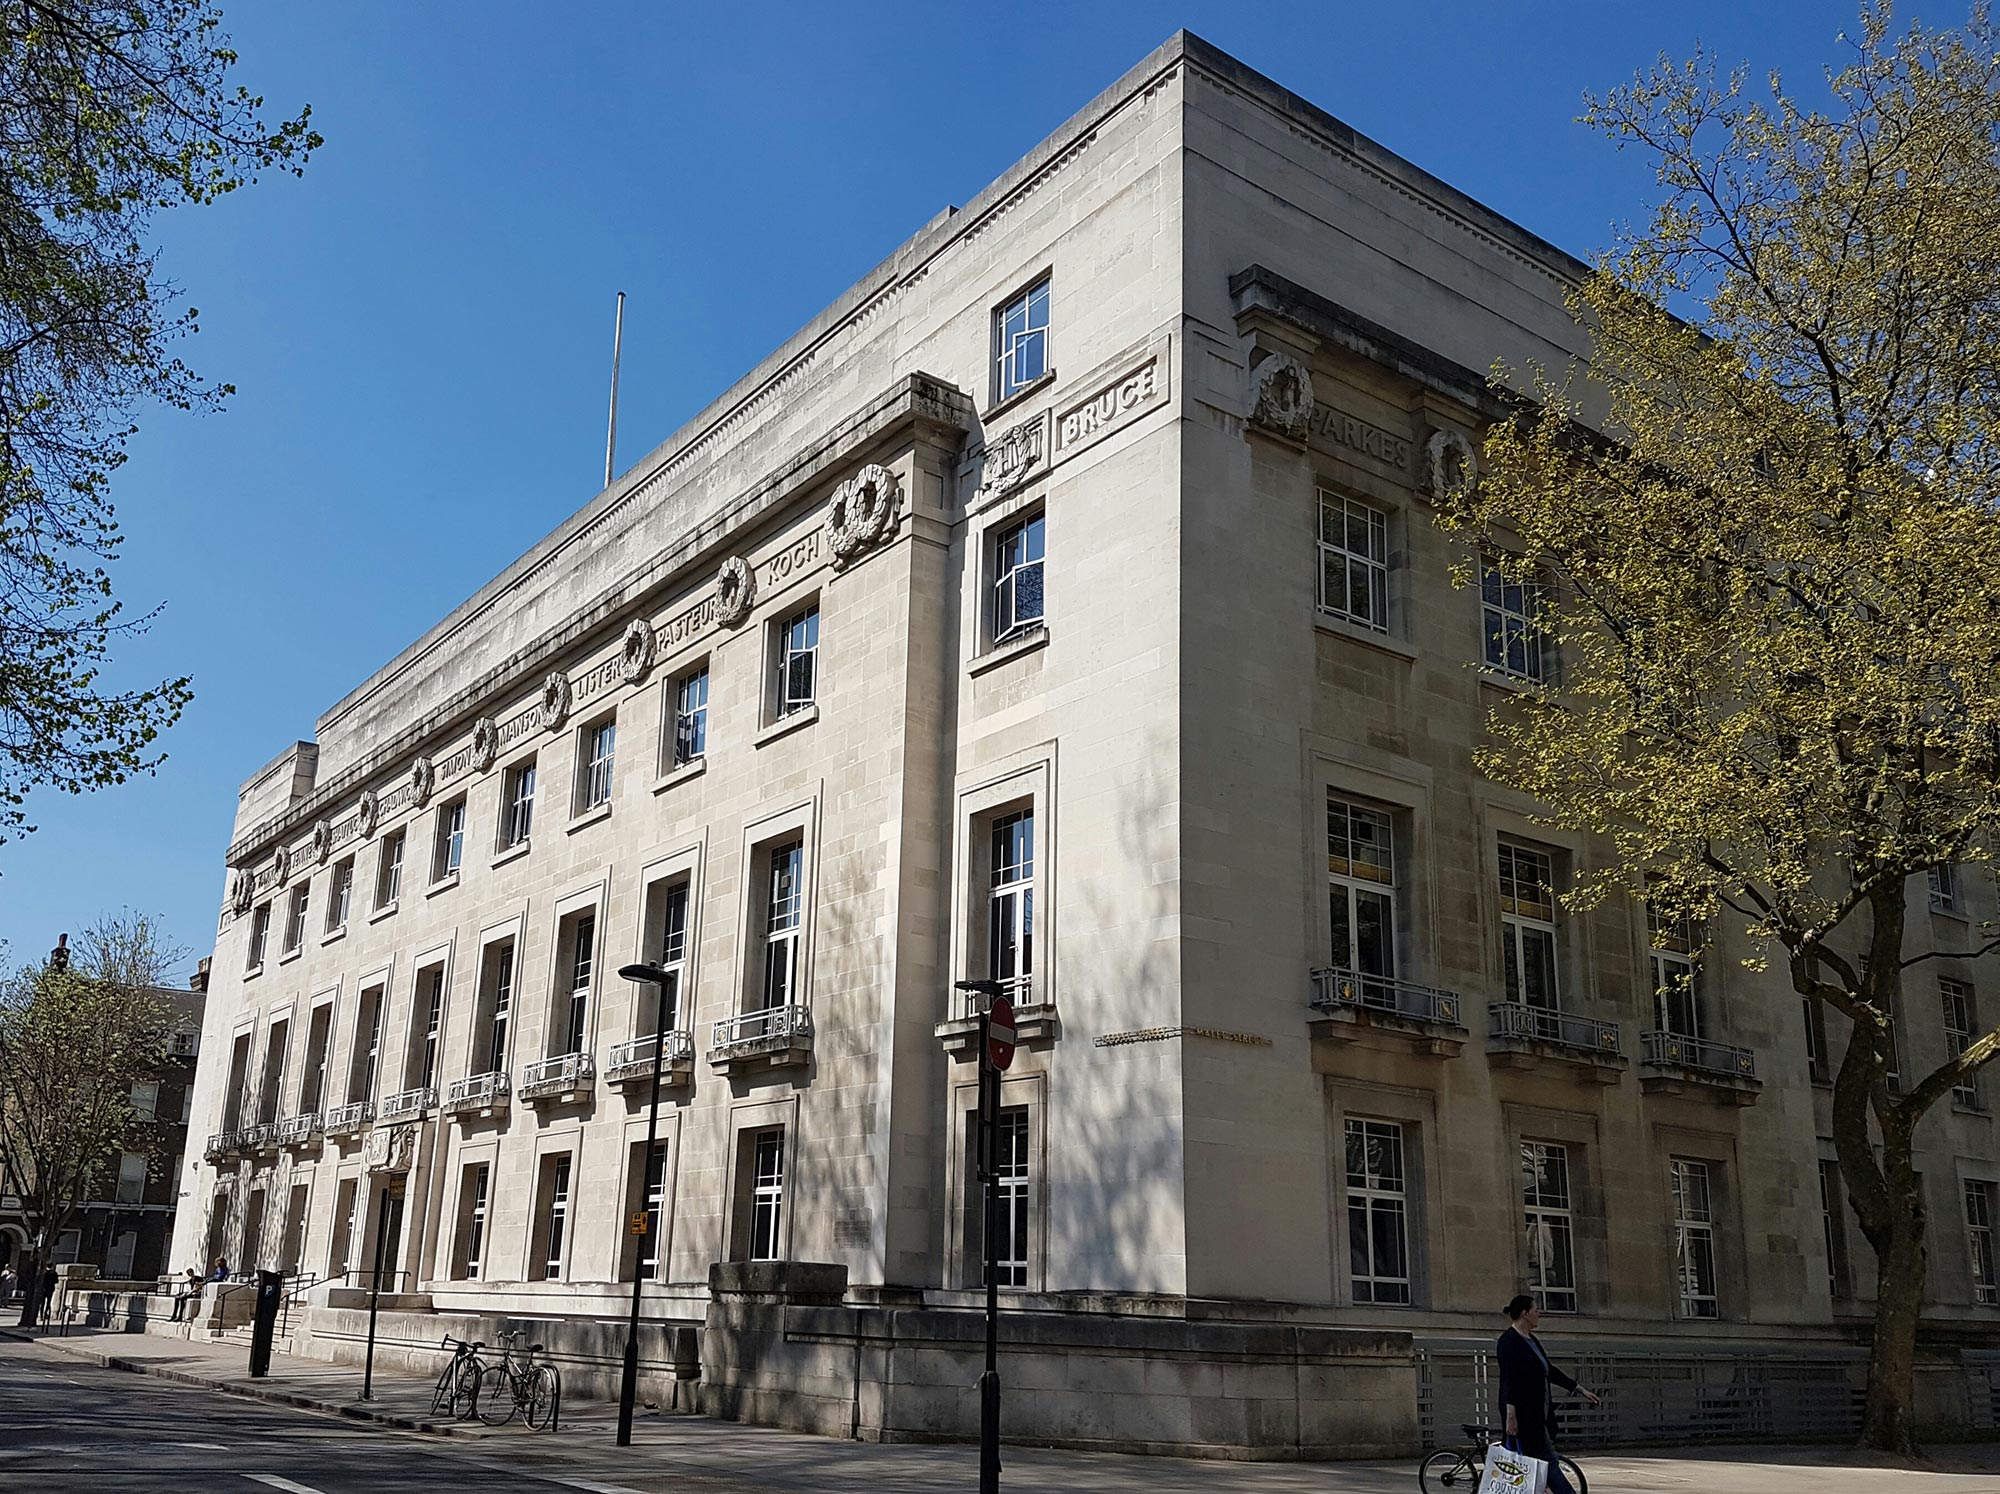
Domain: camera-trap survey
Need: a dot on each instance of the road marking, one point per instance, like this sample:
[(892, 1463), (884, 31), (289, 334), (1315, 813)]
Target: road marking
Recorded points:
[(203, 1446), (286, 1484), (586, 1484)]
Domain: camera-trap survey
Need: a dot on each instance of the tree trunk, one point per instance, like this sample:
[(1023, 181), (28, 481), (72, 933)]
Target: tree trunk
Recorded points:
[(31, 1291), (1889, 1422)]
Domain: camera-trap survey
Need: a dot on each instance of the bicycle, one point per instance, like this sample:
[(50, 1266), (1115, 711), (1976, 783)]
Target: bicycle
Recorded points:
[(1461, 1468), (520, 1384), (457, 1392)]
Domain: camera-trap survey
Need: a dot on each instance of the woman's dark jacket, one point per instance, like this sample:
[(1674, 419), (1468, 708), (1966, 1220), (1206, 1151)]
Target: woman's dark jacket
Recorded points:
[(1525, 1387)]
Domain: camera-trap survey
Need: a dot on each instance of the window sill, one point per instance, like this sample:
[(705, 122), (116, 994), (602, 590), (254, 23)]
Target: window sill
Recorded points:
[(687, 770), (785, 725), (1956, 915), (443, 884), (1019, 397), (387, 910), (332, 935), (1013, 648), (291, 954), (514, 852), (1354, 632), (592, 816), (1511, 684), (251, 972), (1959, 1107)]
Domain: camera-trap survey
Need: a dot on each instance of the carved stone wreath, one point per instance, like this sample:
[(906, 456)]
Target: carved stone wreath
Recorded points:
[(367, 812), (322, 841), (242, 890), (283, 866), (485, 744), (1281, 396), (735, 591), (1454, 465), (863, 512), (423, 776), (635, 656), (554, 707)]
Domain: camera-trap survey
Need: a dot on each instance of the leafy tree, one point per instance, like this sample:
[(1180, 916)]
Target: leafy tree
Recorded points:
[(1772, 561), (110, 110), (71, 1048)]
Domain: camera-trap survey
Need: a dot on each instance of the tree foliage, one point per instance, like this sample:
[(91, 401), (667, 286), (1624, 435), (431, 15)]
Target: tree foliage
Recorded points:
[(109, 112), (71, 1048), (1769, 537)]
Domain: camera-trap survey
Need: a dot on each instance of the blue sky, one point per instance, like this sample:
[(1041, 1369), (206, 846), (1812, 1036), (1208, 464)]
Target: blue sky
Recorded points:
[(419, 329)]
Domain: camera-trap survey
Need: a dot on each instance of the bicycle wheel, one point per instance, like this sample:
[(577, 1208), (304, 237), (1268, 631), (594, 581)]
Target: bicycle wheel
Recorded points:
[(1446, 1469), (496, 1395), (544, 1397), (1574, 1474), (465, 1388)]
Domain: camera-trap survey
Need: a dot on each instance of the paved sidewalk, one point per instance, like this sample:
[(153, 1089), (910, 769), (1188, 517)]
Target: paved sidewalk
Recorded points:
[(672, 1452)]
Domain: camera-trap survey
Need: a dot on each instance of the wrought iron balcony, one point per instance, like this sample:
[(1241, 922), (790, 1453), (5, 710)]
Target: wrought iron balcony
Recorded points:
[(567, 1073), (1335, 988), (634, 1060), (221, 1146), (345, 1120), (476, 1092), (408, 1105), (774, 1037), (258, 1138), (1361, 1010), (1673, 1064), (299, 1130), (1035, 1021), (1518, 1031)]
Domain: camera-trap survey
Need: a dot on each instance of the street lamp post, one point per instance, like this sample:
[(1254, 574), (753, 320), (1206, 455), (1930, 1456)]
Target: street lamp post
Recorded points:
[(628, 1382), (989, 1178)]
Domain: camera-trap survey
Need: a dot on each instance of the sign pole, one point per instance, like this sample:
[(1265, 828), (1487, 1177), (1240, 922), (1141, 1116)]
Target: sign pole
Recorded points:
[(628, 1381), (375, 1295), (989, 1177)]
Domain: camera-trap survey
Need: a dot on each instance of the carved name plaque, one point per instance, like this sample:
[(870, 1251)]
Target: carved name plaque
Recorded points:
[(1358, 436), (1114, 405)]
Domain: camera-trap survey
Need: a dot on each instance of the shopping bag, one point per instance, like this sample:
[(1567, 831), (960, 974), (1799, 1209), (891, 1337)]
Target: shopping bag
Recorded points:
[(1511, 1472)]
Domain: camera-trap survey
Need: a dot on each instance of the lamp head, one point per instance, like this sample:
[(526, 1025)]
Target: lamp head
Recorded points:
[(652, 973)]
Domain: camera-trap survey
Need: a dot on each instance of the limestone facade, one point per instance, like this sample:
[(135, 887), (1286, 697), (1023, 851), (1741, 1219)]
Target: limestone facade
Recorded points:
[(1233, 626)]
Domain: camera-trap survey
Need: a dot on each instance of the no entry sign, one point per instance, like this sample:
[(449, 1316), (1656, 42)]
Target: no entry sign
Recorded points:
[(1000, 1033)]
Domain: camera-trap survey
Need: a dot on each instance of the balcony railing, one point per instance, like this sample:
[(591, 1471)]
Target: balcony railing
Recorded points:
[(476, 1092), (298, 1130), (1337, 989), (407, 1105), (221, 1144), (559, 1075), (1019, 989), (344, 1120), (1518, 1022), (773, 1029), (257, 1138), (1671, 1050), (634, 1060)]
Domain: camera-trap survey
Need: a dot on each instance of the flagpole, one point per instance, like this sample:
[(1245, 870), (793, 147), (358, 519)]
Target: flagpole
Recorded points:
[(617, 346)]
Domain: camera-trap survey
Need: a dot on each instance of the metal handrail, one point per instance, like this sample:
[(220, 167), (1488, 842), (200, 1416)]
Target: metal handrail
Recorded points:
[(349, 1117), (1334, 988), (297, 1128), (409, 1102), (1521, 1022), (636, 1057), (753, 1030), (554, 1075), (261, 1135), (1671, 1048), (476, 1091)]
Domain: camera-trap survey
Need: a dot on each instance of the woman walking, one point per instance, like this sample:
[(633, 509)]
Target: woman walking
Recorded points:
[(1527, 1394)]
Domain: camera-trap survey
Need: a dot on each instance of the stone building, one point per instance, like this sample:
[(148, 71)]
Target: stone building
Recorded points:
[(1060, 606)]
